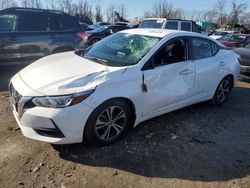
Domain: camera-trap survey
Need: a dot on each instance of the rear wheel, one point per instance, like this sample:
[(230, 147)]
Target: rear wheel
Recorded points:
[(223, 90), (108, 122)]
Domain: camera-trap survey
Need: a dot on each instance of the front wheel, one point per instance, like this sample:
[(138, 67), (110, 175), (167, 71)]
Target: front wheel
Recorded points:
[(222, 92), (108, 122)]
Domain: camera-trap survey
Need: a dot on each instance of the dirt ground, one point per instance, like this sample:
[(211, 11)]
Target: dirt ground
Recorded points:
[(199, 146)]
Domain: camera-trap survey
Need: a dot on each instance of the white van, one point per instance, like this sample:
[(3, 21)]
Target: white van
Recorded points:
[(175, 24)]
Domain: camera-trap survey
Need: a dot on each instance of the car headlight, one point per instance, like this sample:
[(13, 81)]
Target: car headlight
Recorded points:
[(61, 101)]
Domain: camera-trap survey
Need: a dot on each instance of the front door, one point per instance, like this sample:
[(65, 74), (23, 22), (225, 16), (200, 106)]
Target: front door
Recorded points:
[(171, 80)]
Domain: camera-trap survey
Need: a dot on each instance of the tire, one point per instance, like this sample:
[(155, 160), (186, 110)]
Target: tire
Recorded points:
[(103, 127), (222, 92)]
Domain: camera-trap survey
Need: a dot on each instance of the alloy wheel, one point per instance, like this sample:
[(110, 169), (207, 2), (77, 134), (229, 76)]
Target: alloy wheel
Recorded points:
[(224, 90), (110, 123)]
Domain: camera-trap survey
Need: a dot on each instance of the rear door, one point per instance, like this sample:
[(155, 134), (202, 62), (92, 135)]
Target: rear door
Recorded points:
[(36, 36), (207, 66), (66, 30), (10, 41)]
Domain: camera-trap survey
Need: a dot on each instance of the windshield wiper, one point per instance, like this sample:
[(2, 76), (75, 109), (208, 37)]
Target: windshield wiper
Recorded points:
[(99, 60)]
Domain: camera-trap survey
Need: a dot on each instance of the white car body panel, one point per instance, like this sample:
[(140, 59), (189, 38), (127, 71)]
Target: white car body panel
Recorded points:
[(169, 87)]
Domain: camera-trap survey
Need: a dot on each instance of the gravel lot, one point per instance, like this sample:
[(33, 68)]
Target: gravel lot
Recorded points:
[(199, 146)]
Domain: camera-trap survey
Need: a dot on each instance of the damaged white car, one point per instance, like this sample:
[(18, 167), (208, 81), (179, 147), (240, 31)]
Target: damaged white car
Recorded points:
[(129, 77)]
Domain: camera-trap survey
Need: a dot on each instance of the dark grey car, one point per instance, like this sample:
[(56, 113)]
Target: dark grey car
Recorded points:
[(244, 53), (29, 34)]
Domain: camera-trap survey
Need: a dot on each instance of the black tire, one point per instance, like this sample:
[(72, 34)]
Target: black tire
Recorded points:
[(222, 91), (98, 133)]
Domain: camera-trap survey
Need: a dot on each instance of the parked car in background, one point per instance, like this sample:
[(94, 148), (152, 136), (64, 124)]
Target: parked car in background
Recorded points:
[(29, 34), (218, 33), (175, 24), (244, 53), (127, 24), (102, 32), (84, 26), (234, 40), (98, 24), (124, 79)]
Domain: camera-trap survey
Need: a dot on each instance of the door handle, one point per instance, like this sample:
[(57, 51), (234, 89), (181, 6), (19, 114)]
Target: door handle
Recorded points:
[(186, 72), (14, 38), (222, 64)]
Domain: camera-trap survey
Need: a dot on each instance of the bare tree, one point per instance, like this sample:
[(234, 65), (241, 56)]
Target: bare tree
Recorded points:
[(7, 3), (31, 3), (164, 9), (51, 4), (122, 10), (237, 11), (221, 10), (110, 13), (85, 10), (98, 12)]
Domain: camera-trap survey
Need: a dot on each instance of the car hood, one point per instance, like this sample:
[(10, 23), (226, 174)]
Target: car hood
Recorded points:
[(63, 73)]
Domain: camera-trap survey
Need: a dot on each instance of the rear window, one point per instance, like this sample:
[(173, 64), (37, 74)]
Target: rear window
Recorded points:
[(152, 24), (201, 48), (185, 26), (172, 25), (34, 22), (8, 23)]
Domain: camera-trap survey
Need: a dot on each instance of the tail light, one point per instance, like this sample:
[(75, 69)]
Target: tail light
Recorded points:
[(83, 36)]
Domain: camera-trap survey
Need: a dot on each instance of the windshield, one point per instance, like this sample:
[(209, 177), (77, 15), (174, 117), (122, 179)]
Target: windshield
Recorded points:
[(121, 49), (152, 24)]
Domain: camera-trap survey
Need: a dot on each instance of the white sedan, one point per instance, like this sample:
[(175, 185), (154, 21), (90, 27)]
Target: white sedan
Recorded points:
[(126, 78)]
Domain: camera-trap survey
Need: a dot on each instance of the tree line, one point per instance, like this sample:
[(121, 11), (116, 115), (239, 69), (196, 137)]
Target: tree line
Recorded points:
[(93, 10)]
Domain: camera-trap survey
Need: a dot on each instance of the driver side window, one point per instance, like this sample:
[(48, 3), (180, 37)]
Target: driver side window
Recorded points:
[(173, 52)]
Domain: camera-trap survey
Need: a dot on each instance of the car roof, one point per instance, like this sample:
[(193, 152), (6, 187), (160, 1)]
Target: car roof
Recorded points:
[(169, 19), (33, 10), (158, 32)]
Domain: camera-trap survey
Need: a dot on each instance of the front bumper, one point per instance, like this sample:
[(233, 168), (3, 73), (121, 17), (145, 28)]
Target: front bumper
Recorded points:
[(53, 125), (56, 126), (245, 73), (245, 69)]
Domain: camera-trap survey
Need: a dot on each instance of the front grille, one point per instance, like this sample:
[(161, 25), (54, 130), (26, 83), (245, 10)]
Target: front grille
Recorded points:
[(245, 62), (15, 97), (18, 101)]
